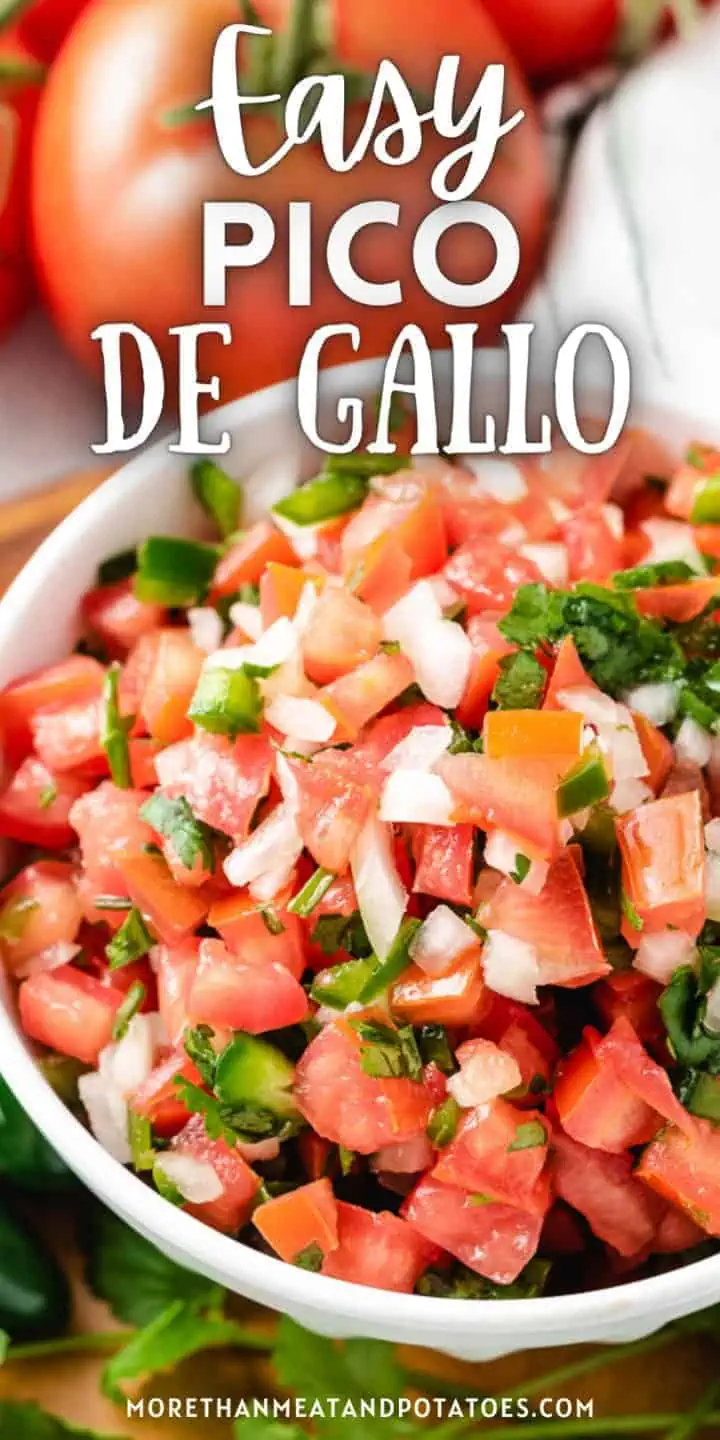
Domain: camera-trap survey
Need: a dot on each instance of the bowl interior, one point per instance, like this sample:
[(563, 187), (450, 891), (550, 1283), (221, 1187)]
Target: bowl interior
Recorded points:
[(38, 624)]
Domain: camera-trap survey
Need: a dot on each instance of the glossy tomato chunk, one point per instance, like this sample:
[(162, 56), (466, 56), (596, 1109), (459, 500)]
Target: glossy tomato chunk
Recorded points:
[(244, 563), (39, 908), (498, 1151), (244, 927), (158, 1100), (115, 616), (663, 855), (335, 801), (232, 1210), (35, 807), (445, 862), (71, 681), (496, 1241), (594, 1105), (350, 1107), (305, 1217), (617, 1207), (170, 686), (456, 998), (174, 968), (518, 796), (108, 824), (69, 1011), (379, 1250), (222, 780), (402, 510), (342, 633), (487, 574), (557, 923), (228, 990)]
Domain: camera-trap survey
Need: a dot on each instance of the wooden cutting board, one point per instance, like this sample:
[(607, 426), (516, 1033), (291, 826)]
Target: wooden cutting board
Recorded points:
[(70, 1386)]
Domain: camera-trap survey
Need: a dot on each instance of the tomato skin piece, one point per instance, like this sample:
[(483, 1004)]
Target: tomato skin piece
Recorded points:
[(69, 1011), (656, 748), (383, 574), (244, 563), (24, 814), (480, 1159), (115, 616), (333, 807), (341, 634), (292, 1223), (175, 968), (280, 589), (458, 998), (350, 1108), (663, 864), (158, 1100), (170, 686), (223, 781), (242, 927), (49, 886), (568, 671), (558, 923), (594, 1105), (486, 574), (496, 1241), (378, 1250), (172, 910), (487, 793), (360, 696), (445, 857), (232, 1210), (401, 508), (684, 1168), (228, 991), (603, 1188), (76, 679)]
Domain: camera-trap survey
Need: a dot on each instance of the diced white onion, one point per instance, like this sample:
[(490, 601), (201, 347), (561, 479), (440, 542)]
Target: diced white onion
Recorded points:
[(416, 610), (248, 618), (551, 559), (276, 645), (303, 538), (381, 896), (594, 706), (614, 518), (441, 939), (502, 853), (275, 845), (485, 1072), (629, 794), (511, 967), (107, 1115), (420, 750), (658, 702), (671, 540), (127, 1065), (712, 1014), (621, 744), (514, 535), (712, 836), (61, 953), (305, 607), (287, 782), (500, 479), (445, 593), (692, 743), (442, 657), (197, 1180), (308, 719), (558, 509), (712, 887), (416, 797), (659, 956), (206, 628)]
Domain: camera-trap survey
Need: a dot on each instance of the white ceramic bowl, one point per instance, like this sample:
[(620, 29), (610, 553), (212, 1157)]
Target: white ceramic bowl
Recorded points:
[(38, 625)]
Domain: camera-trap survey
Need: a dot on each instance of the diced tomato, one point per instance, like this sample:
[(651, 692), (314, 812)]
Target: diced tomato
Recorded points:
[(682, 491), (244, 563), (518, 796), (458, 998), (108, 823), (384, 734), (231, 991), (707, 540), (383, 574), (663, 864), (315, 1154), (379, 1250), (223, 781), (445, 858), (558, 923), (280, 589), (568, 672), (594, 551), (333, 806), (35, 807), (657, 750), (175, 970), (489, 648), (349, 1107), (603, 1188), (641, 1074), (143, 754), (234, 1207), (71, 681), (486, 574), (684, 1167), (69, 739), (563, 1232), (172, 910), (341, 634), (686, 776), (405, 507), (467, 508), (245, 930), (594, 1104), (678, 603), (360, 696), (69, 1011), (627, 992), (676, 1232), (115, 616), (304, 1218), (134, 678), (533, 732), (517, 1031), (490, 1156), (496, 1241), (171, 685), (39, 908), (159, 1098)]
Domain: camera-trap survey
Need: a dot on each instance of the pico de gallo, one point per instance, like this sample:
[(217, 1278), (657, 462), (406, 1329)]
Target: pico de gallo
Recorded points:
[(366, 896)]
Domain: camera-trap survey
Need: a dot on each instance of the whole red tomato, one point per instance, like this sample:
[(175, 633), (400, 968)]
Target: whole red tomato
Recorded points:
[(552, 38), (118, 188)]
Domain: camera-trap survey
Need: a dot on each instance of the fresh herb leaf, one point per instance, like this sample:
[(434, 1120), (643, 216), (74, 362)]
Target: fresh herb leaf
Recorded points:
[(131, 941), (28, 1422), (522, 868), (435, 1048), (200, 1049), (135, 1279), (528, 1136), (313, 891), (443, 1123), (342, 932), (190, 839), (115, 730), (683, 1006), (388, 1054), (521, 682), (459, 1283), (311, 1258), (629, 911), (316, 1367), (128, 1009), (219, 496), (231, 1123), (662, 572), (48, 796), (181, 1330)]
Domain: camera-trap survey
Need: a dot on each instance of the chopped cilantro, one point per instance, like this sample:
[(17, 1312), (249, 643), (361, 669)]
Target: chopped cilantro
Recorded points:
[(528, 1136), (131, 942), (190, 839), (521, 682)]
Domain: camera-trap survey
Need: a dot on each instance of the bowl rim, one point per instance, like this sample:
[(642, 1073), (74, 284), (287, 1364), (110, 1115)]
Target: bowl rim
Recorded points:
[(676, 1291)]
